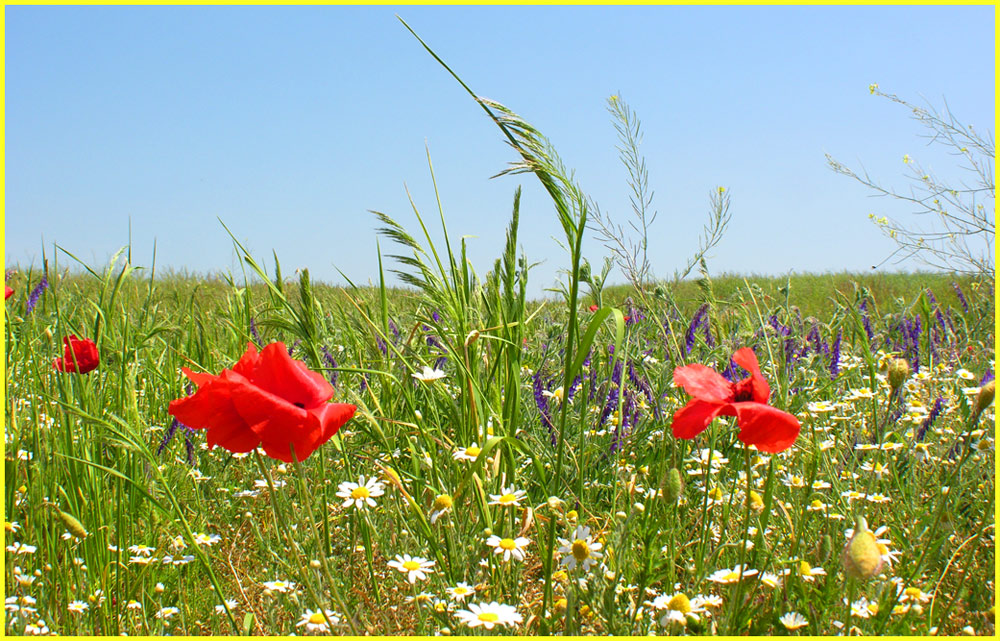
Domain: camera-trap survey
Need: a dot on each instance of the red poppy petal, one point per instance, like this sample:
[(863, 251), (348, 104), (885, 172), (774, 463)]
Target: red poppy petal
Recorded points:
[(211, 408), (248, 362), (332, 417), (770, 429), (7, 292), (745, 358), (289, 379), (276, 421), (692, 419), (704, 383), (198, 378)]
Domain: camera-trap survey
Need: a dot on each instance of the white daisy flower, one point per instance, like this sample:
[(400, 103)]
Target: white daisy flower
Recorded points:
[(278, 586), (467, 453), (793, 620), (362, 493), (581, 551), (414, 567), (428, 375), (460, 591), (489, 615), (508, 547), (315, 621), (508, 497), (726, 576)]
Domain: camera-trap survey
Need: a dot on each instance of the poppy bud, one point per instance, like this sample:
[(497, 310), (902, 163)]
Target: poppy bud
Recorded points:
[(862, 557), (899, 371), (985, 397), (673, 485)]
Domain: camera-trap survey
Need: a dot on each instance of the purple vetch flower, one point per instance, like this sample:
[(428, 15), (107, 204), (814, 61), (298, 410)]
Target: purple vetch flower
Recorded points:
[(574, 387), (364, 383), (961, 296), (693, 328), (866, 320), (436, 316), (613, 391), (381, 346), (253, 332), (331, 363), (394, 330), (987, 377), (36, 294), (168, 436), (294, 347), (929, 421), (835, 356), (189, 444), (543, 406), (439, 363)]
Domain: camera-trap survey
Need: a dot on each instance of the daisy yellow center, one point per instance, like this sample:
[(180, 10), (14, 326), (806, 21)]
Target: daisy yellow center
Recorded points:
[(913, 593), (316, 618), (507, 544), (731, 576), (360, 493), (580, 550), (460, 590), (443, 502), (490, 617), (817, 504), (508, 498), (715, 494), (411, 566), (882, 549), (805, 569), (680, 603), (472, 451)]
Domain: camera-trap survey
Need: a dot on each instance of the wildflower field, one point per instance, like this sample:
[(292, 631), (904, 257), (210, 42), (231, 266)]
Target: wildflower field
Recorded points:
[(258, 454)]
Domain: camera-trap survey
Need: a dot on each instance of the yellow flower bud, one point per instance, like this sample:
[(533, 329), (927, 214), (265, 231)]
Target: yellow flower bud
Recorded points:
[(985, 398)]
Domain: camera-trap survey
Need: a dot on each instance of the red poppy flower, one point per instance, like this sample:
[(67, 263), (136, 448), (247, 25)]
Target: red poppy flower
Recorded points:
[(593, 308), (265, 399), (79, 355), (7, 292), (770, 429)]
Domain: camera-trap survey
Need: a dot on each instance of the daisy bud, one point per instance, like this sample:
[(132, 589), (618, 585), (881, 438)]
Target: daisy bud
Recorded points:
[(899, 371), (673, 485), (315, 564), (756, 502), (571, 516), (555, 503), (985, 398), (862, 557), (159, 588)]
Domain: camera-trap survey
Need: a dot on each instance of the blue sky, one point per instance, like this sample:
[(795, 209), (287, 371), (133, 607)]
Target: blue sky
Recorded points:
[(290, 123)]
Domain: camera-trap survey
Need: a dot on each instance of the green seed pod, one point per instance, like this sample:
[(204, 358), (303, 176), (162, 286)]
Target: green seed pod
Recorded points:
[(673, 486), (899, 371), (985, 397), (72, 524), (825, 547), (862, 557)]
